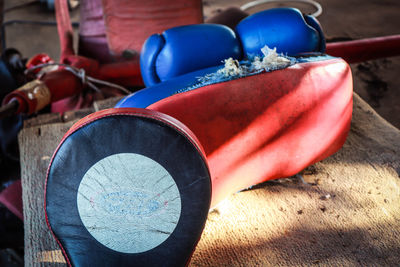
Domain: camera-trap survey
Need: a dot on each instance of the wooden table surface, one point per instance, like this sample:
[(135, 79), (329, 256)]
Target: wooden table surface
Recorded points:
[(347, 214)]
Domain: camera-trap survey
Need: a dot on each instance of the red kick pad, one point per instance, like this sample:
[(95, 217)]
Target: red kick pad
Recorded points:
[(269, 125)]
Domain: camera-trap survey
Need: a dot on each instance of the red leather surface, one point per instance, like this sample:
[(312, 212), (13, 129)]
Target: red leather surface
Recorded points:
[(267, 126), (129, 23), (140, 112)]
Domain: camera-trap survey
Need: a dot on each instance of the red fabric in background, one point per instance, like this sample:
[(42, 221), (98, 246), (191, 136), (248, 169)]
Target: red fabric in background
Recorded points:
[(129, 23), (105, 33), (110, 28), (92, 32), (11, 198)]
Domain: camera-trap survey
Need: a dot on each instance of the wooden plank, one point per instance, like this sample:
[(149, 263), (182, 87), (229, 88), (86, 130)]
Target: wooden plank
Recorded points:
[(106, 103), (37, 145), (348, 214), (50, 118), (37, 142)]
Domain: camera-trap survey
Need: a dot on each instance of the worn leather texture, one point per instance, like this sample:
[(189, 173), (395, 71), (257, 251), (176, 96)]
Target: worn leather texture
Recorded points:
[(185, 49), (283, 28), (144, 132), (260, 127)]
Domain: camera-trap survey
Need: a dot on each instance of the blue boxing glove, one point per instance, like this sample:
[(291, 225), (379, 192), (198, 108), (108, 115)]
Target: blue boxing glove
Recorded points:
[(185, 49), (284, 28)]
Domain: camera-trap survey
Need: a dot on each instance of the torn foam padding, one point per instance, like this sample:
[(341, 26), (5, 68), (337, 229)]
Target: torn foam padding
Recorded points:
[(234, 69), (271, 60)]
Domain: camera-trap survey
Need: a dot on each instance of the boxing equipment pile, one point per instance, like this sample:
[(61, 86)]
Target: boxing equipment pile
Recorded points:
[(223, 110)]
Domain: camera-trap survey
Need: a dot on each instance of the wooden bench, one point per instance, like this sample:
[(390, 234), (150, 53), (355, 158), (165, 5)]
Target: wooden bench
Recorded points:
[(347, 212)]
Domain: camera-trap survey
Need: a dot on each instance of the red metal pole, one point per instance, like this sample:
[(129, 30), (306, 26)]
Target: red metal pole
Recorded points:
[(365, 49), (37, 94)]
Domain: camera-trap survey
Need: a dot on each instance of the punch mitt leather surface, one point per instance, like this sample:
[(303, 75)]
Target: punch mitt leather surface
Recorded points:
[(185, 49), (284, 28), (260, 126), (128, 187)]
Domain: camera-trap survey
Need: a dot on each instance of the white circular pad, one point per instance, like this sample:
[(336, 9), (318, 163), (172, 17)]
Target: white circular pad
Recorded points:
[(129, 202)]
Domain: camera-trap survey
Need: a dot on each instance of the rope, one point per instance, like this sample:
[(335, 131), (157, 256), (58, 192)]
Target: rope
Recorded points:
[(315, 4), (81, 74)]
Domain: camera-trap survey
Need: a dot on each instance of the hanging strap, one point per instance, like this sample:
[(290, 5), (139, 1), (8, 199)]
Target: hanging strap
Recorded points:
[(64, 27)]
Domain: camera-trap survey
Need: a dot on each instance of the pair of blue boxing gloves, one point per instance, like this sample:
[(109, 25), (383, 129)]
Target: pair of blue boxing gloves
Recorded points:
[(189, 48), (182, 54)]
